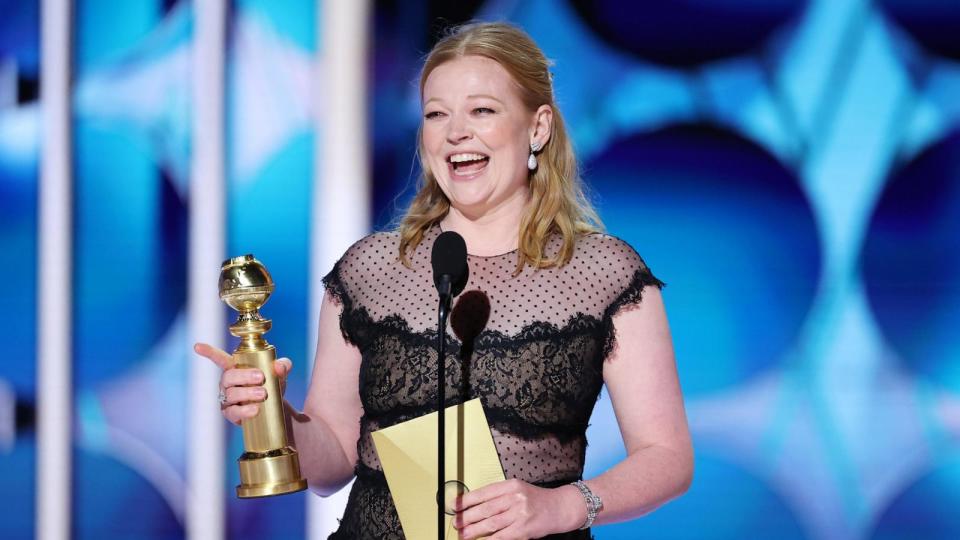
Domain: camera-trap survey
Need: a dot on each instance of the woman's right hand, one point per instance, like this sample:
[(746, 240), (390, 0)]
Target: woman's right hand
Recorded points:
[(243, 387)]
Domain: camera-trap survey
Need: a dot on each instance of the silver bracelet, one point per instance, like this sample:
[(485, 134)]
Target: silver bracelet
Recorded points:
[(594, 503)]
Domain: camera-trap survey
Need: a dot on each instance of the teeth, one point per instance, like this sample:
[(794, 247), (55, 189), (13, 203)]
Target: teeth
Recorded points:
[(460, 158)]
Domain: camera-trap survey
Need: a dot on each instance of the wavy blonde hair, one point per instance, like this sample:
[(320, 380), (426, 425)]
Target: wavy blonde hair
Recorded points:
[(557, 202)]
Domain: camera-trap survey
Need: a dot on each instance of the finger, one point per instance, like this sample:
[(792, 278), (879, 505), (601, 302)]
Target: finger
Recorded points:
[(241, 395), (488, 526), (238, 413), (241, 377), (282, 367), (488, 492), (482, 511), (219, 356), (509, 533)]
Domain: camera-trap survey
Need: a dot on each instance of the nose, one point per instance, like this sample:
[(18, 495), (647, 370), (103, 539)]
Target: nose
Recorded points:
[(458, 129)]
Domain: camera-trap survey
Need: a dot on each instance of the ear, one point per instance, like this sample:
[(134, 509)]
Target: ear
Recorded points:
[(542, 125)]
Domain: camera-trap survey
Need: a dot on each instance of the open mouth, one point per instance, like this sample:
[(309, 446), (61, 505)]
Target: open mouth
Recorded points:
[(466, 164)]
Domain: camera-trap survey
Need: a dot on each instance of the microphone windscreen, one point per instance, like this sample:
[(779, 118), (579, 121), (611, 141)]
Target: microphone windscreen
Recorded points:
[(449, 257)]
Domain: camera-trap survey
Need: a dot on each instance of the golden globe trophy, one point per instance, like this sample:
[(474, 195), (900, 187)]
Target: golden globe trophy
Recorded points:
[(269, 465)]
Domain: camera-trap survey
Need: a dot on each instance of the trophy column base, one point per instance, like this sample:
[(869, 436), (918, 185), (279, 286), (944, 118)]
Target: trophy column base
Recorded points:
[(271, 473)]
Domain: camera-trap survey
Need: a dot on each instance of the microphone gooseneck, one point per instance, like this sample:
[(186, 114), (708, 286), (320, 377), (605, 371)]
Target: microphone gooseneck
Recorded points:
[(450, 273)]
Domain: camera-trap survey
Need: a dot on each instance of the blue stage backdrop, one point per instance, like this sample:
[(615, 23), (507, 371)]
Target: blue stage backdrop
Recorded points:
[(790, 168)]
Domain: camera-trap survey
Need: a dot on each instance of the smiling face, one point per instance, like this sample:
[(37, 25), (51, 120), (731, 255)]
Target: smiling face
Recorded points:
[(476, 135)]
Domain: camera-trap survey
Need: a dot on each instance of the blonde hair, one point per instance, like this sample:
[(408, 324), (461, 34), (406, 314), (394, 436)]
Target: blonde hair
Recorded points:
[(557, 203)]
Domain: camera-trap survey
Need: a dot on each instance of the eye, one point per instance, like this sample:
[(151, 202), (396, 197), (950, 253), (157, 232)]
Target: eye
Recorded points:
[(433, 114), (483, 110)]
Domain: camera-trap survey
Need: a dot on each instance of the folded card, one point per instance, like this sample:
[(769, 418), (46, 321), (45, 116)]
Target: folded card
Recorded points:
[(408, 454)]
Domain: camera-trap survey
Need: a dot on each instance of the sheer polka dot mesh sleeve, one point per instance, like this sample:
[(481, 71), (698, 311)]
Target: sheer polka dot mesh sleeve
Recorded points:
[(531, 346)]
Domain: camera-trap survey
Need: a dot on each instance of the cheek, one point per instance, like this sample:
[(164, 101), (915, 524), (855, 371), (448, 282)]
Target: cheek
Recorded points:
[(428, 138), (512, 155), (431, 147), (509, 139)]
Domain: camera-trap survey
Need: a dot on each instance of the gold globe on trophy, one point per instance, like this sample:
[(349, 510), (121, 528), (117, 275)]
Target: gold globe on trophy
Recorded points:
[(269, 465)]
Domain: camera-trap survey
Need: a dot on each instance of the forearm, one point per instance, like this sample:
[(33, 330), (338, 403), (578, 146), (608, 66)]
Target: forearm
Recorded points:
[(323, 461), (646, 479)]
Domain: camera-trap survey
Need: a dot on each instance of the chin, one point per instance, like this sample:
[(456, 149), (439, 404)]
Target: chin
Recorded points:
[(470, 191), (470, 204)]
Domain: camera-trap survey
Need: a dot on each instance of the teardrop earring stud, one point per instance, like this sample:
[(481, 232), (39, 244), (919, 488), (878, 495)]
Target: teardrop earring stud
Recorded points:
[(532, 160)]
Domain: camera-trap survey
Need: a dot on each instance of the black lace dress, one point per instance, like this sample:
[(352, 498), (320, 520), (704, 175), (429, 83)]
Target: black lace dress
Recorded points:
[(530, 346)]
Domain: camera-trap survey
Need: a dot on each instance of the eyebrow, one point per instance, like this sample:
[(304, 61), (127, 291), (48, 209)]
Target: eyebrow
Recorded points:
[(486, 96), (471, 96)]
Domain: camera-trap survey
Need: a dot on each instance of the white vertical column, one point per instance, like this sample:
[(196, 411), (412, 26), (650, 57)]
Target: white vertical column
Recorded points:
[(341, 194), (205, 447), (55, 277)]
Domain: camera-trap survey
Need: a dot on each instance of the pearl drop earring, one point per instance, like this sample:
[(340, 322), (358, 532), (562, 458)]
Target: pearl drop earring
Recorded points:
[(532, 160)]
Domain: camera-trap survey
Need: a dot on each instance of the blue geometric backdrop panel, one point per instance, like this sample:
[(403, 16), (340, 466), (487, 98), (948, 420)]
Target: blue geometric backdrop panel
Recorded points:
[(270, 162), (730, 227), (129, 272), (19, 167)]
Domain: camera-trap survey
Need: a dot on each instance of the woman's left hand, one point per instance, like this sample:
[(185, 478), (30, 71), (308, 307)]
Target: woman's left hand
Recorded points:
[(514, 509)]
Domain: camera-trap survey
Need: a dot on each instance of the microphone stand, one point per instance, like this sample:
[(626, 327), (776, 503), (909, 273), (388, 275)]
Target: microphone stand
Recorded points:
[(442, 312)]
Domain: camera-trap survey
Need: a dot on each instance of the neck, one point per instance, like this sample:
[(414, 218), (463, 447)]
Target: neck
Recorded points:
[(493, 232)]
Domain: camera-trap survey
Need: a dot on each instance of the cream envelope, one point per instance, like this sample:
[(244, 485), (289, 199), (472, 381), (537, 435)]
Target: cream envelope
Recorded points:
[(408, 454)]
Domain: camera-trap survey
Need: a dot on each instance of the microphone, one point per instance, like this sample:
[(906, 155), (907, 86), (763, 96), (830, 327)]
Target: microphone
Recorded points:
[(450, 272), (449, 260)]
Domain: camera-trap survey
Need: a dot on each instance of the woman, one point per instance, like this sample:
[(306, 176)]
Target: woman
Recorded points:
[(553, 311)]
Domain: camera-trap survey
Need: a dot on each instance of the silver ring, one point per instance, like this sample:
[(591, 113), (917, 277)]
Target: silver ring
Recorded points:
[(222, 398)]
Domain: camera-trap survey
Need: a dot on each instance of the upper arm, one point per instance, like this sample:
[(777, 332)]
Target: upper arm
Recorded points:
[(333, 394), (641, 378)]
